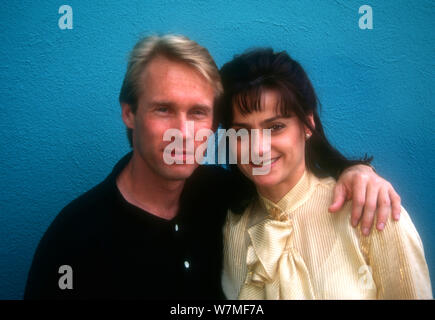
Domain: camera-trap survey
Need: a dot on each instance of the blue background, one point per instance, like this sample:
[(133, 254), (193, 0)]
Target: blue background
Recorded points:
[(61, 130)]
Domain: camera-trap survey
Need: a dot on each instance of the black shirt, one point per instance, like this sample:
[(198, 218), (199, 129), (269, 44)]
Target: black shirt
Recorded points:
[(117, 250)]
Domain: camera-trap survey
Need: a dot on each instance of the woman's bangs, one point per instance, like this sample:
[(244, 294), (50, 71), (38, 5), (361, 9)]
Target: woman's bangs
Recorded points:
[(251, 100), (248, 101), (288, 103)]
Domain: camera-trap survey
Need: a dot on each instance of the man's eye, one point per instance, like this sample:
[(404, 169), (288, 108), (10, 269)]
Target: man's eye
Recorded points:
[(162, 109), (198, 112)]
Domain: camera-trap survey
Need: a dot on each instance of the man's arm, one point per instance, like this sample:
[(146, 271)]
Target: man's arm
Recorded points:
[(369, 194)]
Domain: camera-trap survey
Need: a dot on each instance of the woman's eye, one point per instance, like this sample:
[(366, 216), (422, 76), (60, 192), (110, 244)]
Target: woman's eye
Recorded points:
[(277, 127)]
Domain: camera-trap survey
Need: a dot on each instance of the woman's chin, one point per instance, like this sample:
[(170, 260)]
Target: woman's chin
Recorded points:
[(261, 180), (268, 180)]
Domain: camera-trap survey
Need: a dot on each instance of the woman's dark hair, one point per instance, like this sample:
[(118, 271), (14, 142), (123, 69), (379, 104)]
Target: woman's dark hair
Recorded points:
[(244, 80)]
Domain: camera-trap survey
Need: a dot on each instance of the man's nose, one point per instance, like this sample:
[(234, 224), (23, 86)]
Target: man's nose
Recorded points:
[(186, 127)]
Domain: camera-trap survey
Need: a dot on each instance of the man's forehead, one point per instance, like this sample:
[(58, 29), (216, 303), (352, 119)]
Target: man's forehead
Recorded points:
[(162, 66), (164, 77)]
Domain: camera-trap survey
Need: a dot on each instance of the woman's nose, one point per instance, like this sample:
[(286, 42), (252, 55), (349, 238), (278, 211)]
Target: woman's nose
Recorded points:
[(260, 144)]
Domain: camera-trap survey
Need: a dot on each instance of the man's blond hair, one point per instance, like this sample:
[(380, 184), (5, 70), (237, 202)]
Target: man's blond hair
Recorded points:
[(176, 47)]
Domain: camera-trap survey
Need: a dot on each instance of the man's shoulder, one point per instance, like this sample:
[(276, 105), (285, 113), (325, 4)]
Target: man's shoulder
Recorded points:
[(80, 237), (95, 198), (83, 214), (96, 201)]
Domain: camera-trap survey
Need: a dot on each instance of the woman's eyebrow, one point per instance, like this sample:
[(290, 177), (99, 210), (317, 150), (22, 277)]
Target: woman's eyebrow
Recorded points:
[(272, 119), (264, 122)]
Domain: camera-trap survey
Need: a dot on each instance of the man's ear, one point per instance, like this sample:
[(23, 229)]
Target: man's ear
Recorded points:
[(127, 115)]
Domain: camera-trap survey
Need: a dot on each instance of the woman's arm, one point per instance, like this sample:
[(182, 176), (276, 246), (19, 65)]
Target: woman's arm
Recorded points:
[(396, 256)]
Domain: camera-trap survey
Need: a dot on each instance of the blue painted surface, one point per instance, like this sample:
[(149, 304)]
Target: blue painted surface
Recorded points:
[(61, 130)]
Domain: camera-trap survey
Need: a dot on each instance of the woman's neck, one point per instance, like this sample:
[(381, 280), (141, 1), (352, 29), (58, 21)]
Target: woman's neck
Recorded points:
[(277, 192)]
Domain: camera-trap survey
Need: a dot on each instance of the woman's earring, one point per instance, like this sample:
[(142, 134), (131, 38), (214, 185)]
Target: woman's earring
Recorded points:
[(307, 135)]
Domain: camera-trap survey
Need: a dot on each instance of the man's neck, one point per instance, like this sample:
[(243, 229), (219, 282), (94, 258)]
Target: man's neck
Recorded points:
[(143, 188)]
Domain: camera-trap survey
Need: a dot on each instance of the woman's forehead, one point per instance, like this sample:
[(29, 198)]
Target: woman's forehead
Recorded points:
[(266, 102)]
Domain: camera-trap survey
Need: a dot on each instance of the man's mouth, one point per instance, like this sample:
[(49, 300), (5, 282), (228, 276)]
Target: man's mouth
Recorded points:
[(181, 152), (181, 155)]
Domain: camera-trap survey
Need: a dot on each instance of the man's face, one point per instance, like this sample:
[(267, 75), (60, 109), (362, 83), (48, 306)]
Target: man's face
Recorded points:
[(171, 93)]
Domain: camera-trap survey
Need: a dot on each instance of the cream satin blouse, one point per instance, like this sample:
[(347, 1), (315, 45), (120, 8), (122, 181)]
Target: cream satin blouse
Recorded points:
[(296, 249)]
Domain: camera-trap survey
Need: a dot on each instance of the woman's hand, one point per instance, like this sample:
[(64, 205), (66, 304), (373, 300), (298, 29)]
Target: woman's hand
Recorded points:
[(369, 193)]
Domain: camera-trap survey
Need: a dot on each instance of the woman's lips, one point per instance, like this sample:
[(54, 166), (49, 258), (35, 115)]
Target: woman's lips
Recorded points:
[(271, 162)]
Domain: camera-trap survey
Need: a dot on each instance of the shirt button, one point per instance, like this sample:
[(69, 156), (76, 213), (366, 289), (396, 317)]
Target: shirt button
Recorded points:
[(176, 227), (284, 217), (186, 264)]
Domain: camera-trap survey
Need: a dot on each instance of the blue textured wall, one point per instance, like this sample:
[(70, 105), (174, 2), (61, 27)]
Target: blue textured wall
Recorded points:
[(61, 130)]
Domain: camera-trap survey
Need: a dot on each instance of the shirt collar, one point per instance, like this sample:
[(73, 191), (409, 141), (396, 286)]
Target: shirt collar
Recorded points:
[(293, 199)]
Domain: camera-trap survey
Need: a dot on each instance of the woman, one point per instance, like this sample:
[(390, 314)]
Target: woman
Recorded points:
[(280, 243)]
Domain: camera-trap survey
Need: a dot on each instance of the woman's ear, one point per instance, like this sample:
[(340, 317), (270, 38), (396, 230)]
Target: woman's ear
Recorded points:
[(310, 119)]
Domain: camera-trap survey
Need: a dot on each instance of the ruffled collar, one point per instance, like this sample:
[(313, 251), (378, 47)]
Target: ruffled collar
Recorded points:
[(276, 269), (297, 196)]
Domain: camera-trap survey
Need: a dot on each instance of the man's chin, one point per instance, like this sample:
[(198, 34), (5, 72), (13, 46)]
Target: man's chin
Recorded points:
[(178, 171)]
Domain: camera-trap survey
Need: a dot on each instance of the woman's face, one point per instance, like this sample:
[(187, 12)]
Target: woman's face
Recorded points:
[(287, 150)]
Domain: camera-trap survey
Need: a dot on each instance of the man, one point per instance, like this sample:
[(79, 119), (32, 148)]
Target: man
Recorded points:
[(150, 229)]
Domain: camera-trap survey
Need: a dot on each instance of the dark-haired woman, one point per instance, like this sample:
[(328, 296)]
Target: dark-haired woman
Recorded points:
[(283, 244)]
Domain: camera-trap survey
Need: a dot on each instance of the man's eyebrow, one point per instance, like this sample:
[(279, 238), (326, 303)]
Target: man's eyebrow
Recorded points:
[(202, 106), (161, 103), (166, 103)]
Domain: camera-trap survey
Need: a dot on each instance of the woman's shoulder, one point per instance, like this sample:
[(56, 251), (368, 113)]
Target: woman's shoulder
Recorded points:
[(322, 188), (393, 229), (399, 231), (325, 183)]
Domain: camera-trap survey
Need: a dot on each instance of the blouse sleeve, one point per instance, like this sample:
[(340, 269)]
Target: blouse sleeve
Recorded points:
[(396, 257)]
